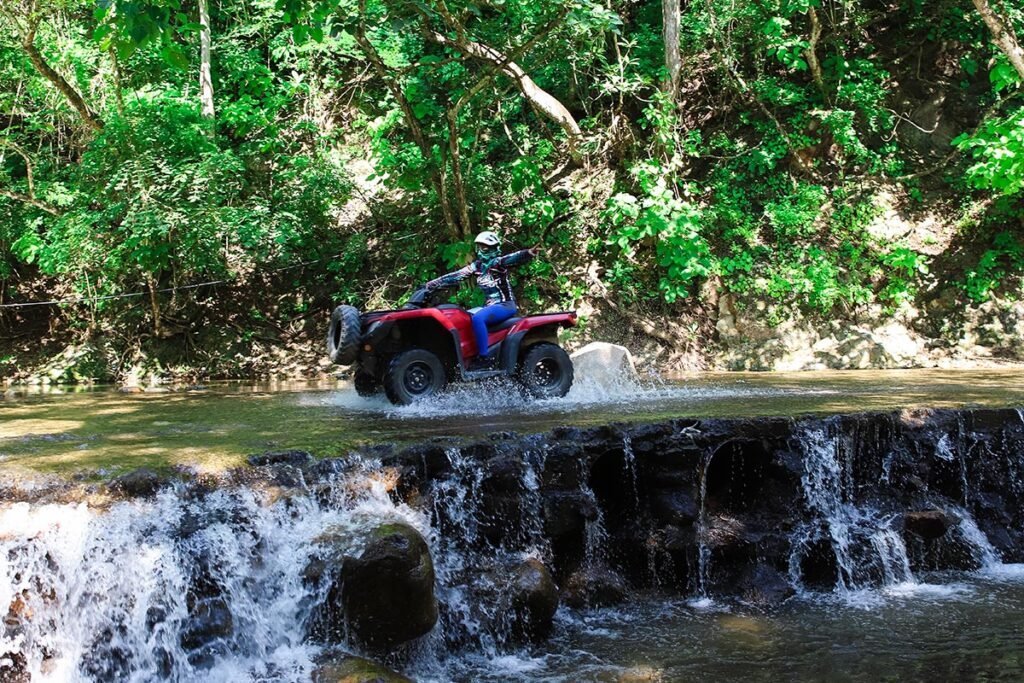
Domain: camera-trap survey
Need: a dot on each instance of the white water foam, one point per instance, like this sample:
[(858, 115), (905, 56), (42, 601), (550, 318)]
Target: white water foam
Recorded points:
[(105, 595), (503, 397)]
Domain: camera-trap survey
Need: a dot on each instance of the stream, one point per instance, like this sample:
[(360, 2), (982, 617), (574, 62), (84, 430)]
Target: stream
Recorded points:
[(744, 548)]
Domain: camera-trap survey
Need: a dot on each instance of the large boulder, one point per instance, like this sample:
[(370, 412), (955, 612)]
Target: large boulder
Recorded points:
[(385, 596), (603, 363), (534, 599), (351, 669)]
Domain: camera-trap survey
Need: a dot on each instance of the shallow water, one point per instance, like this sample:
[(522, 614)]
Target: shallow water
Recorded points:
[(211, 428), (968, 630)]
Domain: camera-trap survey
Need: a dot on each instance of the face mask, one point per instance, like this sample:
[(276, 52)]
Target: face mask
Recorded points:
[(486, 253)]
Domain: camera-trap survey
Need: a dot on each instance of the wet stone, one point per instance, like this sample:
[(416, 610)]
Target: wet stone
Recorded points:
[(594, 587), (534, 599), (140, 483), (209, 623), (294, 458), (384, 597), (351, 669), (928, 524), (764, 587)]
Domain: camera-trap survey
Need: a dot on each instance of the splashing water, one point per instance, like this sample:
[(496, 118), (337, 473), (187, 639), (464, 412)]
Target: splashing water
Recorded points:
[(108, 595)]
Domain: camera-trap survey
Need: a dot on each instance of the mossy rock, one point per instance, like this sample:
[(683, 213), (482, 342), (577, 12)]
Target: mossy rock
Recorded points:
[(356, 670)]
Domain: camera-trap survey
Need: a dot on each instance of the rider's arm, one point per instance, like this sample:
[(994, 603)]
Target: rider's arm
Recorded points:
[(515, 258), (450, 279)]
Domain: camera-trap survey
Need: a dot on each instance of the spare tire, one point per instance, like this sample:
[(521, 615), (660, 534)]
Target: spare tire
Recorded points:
[(343, 335)]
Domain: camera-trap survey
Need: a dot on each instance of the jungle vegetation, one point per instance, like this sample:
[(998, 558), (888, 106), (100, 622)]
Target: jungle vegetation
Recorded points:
[(302, 152)]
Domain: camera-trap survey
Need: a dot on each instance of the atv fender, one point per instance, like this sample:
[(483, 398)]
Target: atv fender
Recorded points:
[(517, 342)]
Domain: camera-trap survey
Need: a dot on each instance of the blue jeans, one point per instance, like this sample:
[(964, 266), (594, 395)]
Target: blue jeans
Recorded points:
[(493, 314)]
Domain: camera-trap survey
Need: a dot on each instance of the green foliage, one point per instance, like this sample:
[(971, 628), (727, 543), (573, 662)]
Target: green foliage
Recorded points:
[(756, 180), (998, 152), (993, 269)]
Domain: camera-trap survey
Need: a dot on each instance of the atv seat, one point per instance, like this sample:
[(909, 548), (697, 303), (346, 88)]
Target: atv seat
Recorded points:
[(504, 325)]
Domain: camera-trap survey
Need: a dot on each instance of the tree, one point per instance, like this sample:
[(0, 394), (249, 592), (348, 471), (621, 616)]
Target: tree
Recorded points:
[(1002, 35), (205, 80), (670, 38), (25, 18)]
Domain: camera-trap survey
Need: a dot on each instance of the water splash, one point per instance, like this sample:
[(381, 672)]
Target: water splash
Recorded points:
[(867, 549), (122, 594), (984, 553)]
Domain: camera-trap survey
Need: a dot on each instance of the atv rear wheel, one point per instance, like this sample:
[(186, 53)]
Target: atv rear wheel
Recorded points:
[(366, 384), (546, 371), (412, 376), (343, 335)]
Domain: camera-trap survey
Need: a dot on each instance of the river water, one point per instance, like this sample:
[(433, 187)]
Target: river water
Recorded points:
[(106, 587), (215, 426)]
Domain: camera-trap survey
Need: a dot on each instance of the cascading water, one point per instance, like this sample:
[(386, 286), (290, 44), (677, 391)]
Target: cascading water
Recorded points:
[(181, 587), (703, 547), (867, 549)]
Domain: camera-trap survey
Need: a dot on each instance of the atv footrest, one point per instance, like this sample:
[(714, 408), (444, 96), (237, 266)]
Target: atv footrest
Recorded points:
[(483, 374)]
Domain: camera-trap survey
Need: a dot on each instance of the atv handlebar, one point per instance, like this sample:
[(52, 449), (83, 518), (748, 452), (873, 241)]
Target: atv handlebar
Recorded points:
[(421, 298)]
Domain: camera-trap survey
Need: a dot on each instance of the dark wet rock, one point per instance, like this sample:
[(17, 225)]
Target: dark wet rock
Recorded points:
[(594, 587), (673, 507), (426, 461), (209, 623), (140, 483), (567, 512), (293, 458), (534, 599), (928, 524), (764, 586), (351, 669), (385, 596)]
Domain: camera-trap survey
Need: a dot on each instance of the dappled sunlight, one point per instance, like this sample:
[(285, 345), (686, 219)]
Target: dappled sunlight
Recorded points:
[(28, 428)]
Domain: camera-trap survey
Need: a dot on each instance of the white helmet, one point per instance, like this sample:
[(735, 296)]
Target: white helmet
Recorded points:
[(488, 239)]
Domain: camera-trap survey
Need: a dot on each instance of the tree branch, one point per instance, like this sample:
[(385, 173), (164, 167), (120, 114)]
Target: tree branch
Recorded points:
[(542, 101), (31, 201), (1002, 36), (70, 94)]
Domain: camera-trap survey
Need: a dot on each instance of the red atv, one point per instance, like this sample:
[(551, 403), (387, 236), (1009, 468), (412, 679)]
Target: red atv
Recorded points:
[(414, 352)]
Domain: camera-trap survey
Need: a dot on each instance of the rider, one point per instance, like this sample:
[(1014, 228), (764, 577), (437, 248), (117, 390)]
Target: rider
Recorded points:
[(491, 270)]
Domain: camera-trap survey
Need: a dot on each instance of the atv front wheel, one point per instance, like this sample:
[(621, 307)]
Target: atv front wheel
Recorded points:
[(412, 376), (546, 371), (343, 335)]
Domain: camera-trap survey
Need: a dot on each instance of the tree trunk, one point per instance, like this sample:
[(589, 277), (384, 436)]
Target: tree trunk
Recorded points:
[(811, 53), (542, 101), (670, 38), (460, 189), (205, 80), (65, 88), (1002, 36), (158, 328)]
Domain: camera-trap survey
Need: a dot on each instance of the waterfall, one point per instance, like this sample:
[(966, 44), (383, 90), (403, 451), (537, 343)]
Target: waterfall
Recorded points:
[(984, 554), (703, 549), (866, 548), (181, 587)]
